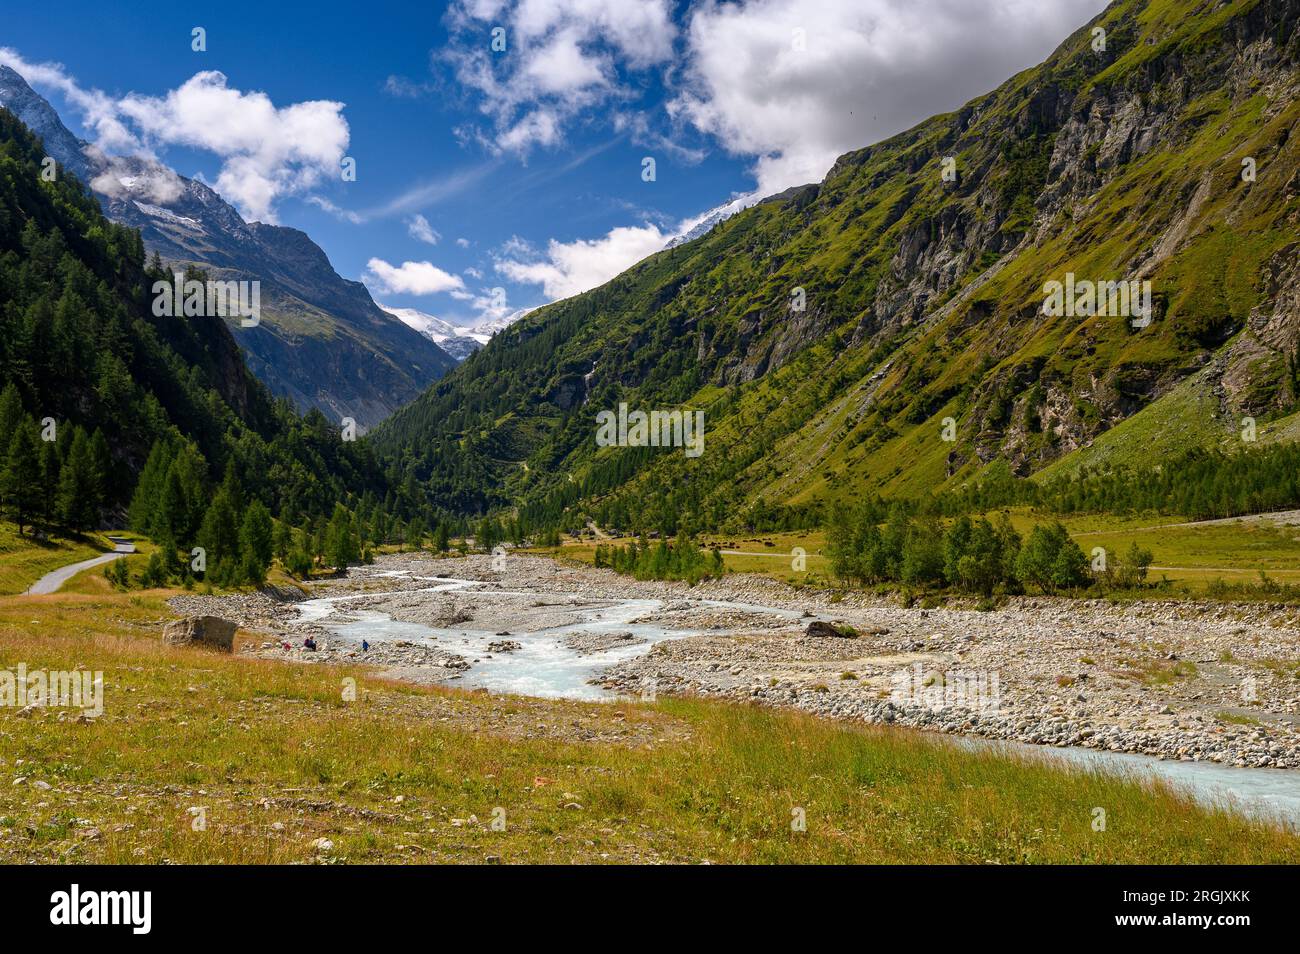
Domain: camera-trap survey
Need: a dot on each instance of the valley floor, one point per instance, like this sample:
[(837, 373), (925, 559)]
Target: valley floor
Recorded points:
[(1190, 680), (202, 757)]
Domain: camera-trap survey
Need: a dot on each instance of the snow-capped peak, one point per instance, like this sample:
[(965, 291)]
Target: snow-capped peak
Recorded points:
[(459, 341)]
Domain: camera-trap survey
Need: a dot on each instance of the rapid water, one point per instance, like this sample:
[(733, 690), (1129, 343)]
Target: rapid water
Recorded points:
[(543, 666)]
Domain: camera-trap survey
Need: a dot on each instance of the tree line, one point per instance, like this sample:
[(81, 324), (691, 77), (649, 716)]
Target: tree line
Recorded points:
[(681, 559), (900, 545), (51, 477)]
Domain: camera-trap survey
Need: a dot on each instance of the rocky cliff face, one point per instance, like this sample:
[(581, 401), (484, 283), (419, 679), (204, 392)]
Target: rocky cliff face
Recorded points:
[(322, 341)]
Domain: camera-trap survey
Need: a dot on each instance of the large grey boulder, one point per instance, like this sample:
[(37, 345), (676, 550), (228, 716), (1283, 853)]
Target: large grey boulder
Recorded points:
[(824, 630), (210, 631)]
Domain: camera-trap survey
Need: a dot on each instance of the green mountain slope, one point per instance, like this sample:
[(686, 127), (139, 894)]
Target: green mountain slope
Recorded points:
[(924, 299)]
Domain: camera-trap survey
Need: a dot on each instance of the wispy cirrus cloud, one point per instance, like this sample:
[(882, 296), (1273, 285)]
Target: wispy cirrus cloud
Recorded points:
[(418, 227)]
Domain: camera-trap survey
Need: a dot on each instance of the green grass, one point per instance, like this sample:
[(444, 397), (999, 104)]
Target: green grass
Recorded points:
[(273, 759), (1197, 559), (24, 560), (1158, 672), (1236, 718)]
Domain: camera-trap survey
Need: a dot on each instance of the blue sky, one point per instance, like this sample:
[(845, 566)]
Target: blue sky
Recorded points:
[(522, 168)]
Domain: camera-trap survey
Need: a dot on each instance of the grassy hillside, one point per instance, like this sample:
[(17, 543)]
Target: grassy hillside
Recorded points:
[(200, 757), (923, 300)]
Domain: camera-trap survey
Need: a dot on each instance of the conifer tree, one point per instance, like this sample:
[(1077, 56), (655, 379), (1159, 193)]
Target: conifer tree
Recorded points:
[(255, 538), (50, 466), (219, 538), (341, 546), (78, 491), (20, 481), (148, 489)]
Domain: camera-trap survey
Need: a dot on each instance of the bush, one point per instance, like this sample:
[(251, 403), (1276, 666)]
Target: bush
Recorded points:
[(298, 563), (154, 573), (117, 574)]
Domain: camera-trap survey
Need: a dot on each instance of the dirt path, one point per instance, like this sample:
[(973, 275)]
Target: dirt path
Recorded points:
[(53, 581), (1285, 518)]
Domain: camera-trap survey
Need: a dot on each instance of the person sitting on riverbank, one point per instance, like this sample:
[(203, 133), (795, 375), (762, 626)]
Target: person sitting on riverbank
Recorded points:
[(309, 644)]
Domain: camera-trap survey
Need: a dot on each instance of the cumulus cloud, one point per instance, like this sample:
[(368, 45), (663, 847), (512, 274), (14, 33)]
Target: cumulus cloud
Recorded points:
[(790, 84), (562, 56), (797, 83), (411, 278), (418, 227), (144, 180), (267, 152), (567, 268)]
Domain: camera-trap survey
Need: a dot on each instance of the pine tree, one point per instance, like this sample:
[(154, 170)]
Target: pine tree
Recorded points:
[(172, 516), (148, 489), (341, 546), (11, 417), (282, 539), (78, 491), (190, 499), (20, 482), (102, 470), (50, 465), (255, 538), (219, 538)]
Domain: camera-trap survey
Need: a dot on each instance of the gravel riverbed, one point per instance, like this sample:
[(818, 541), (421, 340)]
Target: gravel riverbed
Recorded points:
[(1199, 680)]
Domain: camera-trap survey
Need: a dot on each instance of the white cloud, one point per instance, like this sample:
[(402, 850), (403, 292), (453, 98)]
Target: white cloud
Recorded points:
[(568, 268), (419, 228), (267, 152), (405, 89), (411, 278), (339, 213), (149, 181), (562, 56), (463, 242), (790, 84), (432, 192), (98, 109), (864, 69)]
